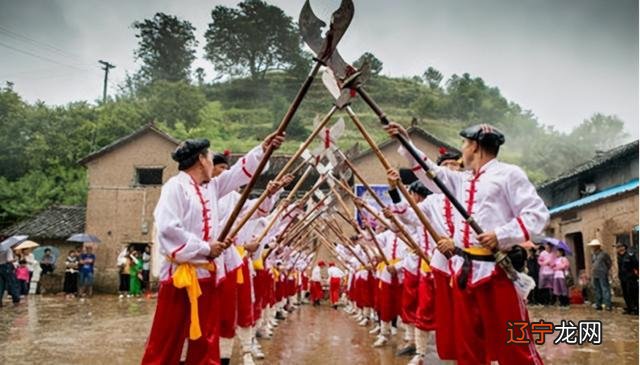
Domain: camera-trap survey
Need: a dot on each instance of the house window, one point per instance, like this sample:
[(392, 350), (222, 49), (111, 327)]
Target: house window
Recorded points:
[(569, 216), (149, 176)]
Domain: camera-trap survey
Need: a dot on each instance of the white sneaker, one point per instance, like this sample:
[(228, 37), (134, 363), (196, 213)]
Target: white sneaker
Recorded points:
[(418, 359), (273, 323), (247, 359), (380, 341), (375, 329), (257, 351), (363, 322), (394, 331)]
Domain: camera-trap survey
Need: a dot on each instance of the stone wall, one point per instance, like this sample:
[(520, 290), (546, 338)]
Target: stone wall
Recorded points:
[(602, 220)]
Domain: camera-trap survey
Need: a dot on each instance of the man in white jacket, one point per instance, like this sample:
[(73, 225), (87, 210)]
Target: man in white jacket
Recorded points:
[(505, 204), (187, 224)]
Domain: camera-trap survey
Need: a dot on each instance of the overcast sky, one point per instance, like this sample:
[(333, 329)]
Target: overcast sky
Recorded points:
[(562, 59)]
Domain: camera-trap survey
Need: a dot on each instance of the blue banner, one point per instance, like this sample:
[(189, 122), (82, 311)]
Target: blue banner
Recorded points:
[(381, 191)]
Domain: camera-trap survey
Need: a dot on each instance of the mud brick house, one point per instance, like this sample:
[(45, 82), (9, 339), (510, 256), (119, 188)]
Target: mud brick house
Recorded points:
[(598, 199), (125, 179)]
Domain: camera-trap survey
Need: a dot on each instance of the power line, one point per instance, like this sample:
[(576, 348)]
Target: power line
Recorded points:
[(24, 38), (106, 67), (40, 57)]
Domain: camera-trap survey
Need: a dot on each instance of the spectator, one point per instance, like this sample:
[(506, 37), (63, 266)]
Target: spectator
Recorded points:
[(533, 270), (600, 266), (48, 263), (87, 261), (31, 262), (8, 280), (135, 274), (545, 260), (124, 264), (628, 275), (583, 281), (71, 274), (146, 267), (22, 275), (560, 273)]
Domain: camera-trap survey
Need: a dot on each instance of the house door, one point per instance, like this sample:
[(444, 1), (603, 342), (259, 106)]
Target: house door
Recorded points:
[(574, 240)]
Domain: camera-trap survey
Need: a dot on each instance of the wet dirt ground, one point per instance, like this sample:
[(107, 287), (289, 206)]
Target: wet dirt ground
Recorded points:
[(108, 330)]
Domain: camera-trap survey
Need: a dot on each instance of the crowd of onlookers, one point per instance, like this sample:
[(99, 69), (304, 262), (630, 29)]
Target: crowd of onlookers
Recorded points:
[(548, 265), (134, 268), (20, 272)]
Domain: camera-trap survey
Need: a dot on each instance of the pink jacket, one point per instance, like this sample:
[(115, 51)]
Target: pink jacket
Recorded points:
[(22, 273), (560, 266)]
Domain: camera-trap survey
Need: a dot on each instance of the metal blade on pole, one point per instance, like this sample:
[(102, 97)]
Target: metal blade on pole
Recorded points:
[(340, 21)]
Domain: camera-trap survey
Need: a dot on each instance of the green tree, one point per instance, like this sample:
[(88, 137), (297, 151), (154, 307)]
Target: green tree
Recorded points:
[(173, 102), (433, 78), (600, 132), (166, 48), (252, 40), (14, 134), (375, 65)]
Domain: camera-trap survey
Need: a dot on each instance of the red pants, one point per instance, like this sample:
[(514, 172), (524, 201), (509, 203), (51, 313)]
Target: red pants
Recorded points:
[(316, 291), (171, 326), (229, 305), (280, 289), (425, 311), (270, 290), (334, 290), (480, 326), (258, 290), (305, 282), (374, 287), (369, 291), (498, 304), (409, 297), (245, 306), (445, 335), (389, 302)]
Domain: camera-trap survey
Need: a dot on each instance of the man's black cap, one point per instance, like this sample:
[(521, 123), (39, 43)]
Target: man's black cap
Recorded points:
[(485, 134)]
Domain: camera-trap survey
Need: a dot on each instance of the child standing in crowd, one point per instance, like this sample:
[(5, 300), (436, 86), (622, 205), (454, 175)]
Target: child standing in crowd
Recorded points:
[(71, 274), (135, 274), (560, 269), (22, 274), (545, 282), (124, 263), (146, 267), (87, 260)]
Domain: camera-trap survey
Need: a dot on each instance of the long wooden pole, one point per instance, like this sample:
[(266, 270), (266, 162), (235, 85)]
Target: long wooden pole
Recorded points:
[(385, 163), (282, 205), (245, 194)]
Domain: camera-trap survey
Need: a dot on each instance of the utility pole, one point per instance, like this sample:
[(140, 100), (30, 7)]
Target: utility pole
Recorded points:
[(106, 66)]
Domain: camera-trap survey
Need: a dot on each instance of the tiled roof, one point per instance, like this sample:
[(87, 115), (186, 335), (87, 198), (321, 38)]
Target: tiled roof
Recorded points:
[(605, 158), (57, 222)]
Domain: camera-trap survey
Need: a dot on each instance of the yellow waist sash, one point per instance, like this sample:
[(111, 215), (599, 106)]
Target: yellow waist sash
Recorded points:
[(239, 275), (381, 266), (478, 251), (186, 277), (424, 266), (258, 264)]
